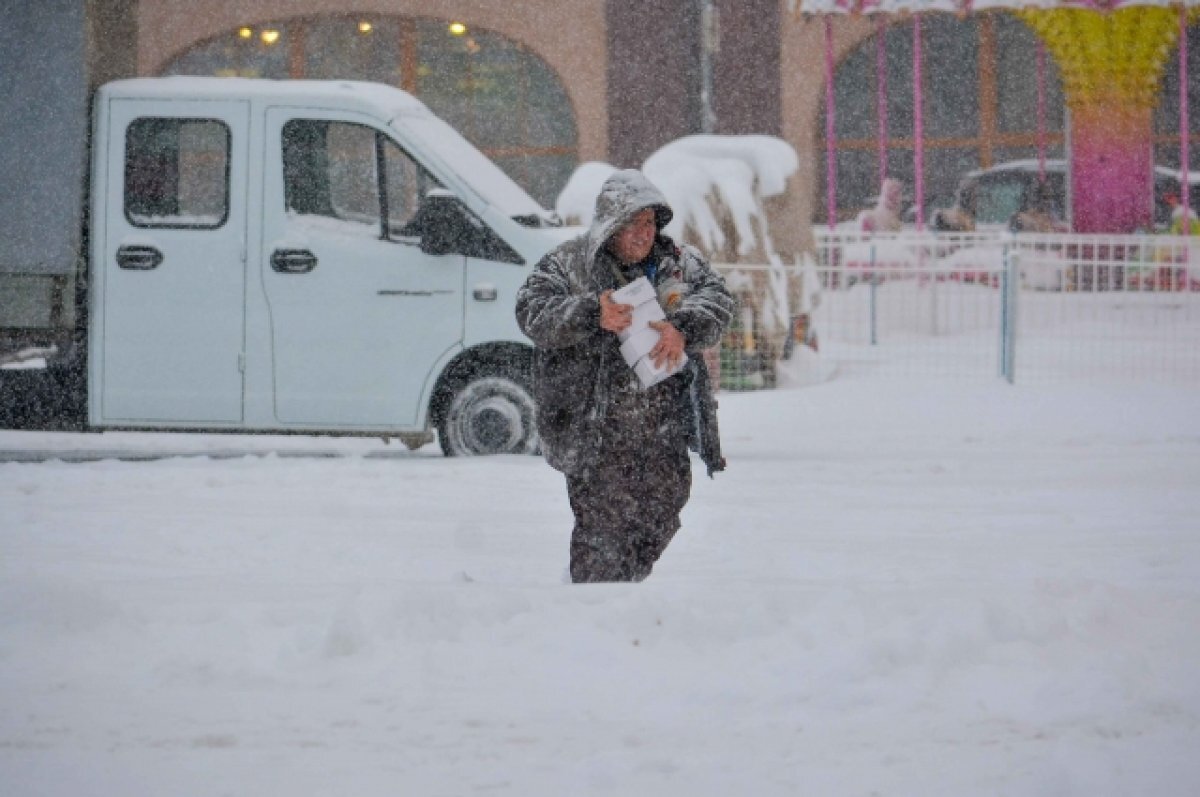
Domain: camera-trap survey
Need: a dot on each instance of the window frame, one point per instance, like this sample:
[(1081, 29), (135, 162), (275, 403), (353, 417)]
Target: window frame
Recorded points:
[(986, 143), (227, 176), (379, 148)]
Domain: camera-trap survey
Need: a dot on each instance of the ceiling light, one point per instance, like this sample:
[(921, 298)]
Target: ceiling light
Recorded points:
[(245, 33), (457, 28), (270, 36), (365, 27)]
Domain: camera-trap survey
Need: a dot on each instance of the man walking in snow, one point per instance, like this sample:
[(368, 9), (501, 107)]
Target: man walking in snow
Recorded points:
[(622, 447)]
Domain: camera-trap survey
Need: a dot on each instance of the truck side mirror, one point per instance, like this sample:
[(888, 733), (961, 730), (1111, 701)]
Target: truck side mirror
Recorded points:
[(447, 227)]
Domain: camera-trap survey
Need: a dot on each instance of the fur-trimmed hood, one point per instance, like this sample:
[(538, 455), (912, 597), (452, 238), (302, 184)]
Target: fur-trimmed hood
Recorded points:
[(624, 194)]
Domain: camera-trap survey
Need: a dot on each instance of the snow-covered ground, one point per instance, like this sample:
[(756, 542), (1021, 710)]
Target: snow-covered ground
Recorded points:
[(898, 588)]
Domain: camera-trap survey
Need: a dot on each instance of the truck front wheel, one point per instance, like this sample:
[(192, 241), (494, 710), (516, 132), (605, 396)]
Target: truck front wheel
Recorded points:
[(489, 414)]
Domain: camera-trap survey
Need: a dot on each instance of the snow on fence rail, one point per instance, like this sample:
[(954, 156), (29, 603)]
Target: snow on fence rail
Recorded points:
[(1029, 307)]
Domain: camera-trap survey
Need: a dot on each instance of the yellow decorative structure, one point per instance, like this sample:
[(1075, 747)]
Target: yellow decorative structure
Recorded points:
[(1111, 55), (1108, 55), (1111, 61)]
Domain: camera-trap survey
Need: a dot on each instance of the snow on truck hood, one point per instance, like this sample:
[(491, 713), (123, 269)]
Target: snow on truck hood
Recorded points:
[(461, 156)]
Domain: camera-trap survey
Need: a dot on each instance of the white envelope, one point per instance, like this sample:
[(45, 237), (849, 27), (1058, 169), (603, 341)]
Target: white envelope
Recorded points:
[(639, 344), (636, 293), (643, 314), (650, 375)]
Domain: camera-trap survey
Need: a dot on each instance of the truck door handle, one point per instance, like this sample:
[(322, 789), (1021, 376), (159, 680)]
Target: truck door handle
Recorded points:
[(293, 261), (139, 258)]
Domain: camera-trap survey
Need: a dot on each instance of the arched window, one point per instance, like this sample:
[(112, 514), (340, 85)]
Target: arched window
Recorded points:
[(1166, 115), (500, 95), (980, 109)]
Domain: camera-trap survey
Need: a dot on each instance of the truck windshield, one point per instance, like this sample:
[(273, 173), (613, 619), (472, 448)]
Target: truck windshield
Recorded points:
[(496, 187)]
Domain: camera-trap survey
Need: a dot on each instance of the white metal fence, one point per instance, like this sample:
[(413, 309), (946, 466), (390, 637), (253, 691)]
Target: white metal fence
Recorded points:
[(1027, 307)]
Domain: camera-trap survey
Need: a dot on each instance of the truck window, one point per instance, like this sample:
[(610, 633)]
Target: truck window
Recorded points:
[(406, 183), (177, 173), (351, 173)]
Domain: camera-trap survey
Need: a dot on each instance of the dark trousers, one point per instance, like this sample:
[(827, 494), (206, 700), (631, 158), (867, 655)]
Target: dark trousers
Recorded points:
[(626, 512)]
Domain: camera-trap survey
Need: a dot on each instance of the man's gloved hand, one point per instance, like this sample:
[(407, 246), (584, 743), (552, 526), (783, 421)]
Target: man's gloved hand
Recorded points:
[(669, 349), (614, 317)]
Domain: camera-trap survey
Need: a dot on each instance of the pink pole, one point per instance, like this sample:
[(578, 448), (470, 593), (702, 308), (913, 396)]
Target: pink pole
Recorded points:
[(881, 96), (918, 125), (1185, 187), (830, 143), (1041, 110)]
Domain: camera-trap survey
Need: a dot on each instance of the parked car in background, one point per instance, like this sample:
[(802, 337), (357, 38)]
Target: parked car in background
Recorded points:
[(989, 198), (992, 196)]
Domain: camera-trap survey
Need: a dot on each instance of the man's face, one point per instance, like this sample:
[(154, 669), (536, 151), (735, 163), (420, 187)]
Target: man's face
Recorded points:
[(633, 242)]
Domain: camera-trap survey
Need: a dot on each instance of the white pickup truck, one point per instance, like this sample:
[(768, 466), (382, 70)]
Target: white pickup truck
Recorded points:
[(301, 256)]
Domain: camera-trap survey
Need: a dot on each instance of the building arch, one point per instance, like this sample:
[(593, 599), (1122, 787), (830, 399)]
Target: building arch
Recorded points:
[(570, 55), (1002, 76), (980, 105), (1166, 114)]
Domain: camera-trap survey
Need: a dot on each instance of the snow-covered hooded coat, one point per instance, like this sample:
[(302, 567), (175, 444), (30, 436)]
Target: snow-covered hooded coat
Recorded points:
[(578, 365)]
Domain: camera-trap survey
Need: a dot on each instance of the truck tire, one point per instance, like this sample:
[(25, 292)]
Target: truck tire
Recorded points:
[(489, 413)]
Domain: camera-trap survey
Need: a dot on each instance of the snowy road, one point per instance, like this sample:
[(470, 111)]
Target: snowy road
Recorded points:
[(896, 589), (138, 454)]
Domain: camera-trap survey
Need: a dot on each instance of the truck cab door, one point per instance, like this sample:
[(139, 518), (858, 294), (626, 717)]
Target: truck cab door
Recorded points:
[(169, 271), (360, 316)]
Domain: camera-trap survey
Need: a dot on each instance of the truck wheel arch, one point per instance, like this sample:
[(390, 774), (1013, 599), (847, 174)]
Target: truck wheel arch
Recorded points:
[(491, 383)]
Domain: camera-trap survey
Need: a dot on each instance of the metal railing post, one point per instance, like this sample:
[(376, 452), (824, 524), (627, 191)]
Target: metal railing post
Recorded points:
[(874, 283), (1012, 281), (1001, 365)]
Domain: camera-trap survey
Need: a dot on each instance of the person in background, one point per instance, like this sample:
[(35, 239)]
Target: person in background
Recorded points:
[(623, 448), (1178, 224), (961, 217), (885, 216), (1038, 214)]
